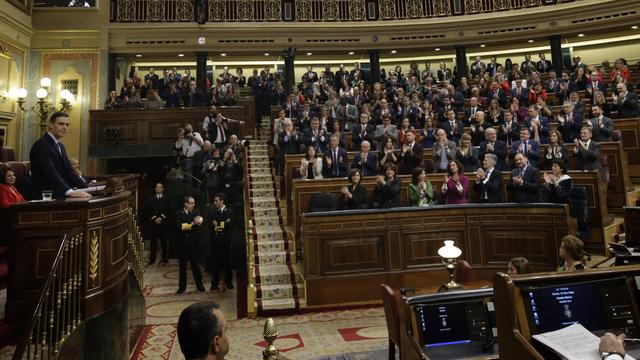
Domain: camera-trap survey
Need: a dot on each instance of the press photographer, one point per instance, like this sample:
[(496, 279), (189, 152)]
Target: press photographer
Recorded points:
[(187, 144)]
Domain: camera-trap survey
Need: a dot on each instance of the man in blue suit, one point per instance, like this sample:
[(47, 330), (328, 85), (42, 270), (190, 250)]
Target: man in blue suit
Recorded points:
[(50, 166), (526, 146), (570, 123), (336, 162), (365, 160)]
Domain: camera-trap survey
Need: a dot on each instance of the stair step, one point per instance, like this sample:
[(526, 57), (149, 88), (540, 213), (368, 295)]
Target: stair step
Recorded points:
[(278, 291), (273, 257), (276, 304), (271, 245)]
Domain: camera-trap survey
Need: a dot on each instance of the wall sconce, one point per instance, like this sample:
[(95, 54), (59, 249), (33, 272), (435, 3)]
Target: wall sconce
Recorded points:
[(43, 107), (450, 254)]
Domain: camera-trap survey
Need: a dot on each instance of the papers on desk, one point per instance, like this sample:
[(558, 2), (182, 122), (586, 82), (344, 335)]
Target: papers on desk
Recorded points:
[(90, 189), (574, 342)]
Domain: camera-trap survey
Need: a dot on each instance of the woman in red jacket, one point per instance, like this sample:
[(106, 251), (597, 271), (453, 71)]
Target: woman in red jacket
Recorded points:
[(8, 192)]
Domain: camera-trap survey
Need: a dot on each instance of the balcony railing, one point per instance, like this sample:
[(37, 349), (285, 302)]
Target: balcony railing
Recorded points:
[(306, 10)]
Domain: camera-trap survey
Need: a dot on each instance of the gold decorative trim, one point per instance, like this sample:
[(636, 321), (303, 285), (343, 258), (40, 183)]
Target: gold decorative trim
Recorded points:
[(94, 256)]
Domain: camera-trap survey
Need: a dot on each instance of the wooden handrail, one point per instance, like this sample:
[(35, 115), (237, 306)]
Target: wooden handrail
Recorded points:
[(58, 312)]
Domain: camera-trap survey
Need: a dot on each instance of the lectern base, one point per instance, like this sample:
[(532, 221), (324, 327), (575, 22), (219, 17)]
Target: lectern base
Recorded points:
[(450, 286)]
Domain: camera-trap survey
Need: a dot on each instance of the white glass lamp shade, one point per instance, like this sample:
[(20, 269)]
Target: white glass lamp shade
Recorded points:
[(41, 93), (45, 82), (21, 93), (449, 251), (67, 95)]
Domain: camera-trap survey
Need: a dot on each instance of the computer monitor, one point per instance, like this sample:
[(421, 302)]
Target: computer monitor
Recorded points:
[(452, 318), (598, 305)]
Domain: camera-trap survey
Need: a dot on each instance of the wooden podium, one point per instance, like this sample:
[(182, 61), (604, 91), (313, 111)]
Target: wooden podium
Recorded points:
[(38, 229)]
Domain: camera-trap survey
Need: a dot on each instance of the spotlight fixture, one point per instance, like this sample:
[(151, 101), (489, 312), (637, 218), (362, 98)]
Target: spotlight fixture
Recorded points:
[(482, 45), (351, 53), (635, 27), (138, 55), (223, 54), (393, 51), (581, 35), (437, 49), (309, 54), (180, 55), (266, 54), (531, 40)]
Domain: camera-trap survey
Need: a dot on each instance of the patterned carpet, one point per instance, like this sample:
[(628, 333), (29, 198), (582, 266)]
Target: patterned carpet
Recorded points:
[(277, 285), (323, 335)]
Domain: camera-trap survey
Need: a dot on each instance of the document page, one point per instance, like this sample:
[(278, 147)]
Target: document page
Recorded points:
[(573, 343)]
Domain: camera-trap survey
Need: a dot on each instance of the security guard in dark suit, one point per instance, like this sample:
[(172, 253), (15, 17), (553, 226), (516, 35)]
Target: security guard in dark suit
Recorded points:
[(220, 221), (188, 220), (158, 210)]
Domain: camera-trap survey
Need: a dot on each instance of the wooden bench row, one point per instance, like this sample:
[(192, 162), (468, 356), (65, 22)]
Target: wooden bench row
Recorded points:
[(621, 190)]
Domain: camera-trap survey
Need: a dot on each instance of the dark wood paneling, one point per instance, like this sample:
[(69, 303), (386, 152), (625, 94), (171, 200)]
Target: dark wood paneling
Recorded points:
[(34, 245), (347, 266)]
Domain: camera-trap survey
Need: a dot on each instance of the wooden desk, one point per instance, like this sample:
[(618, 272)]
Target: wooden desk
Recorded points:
[(595, 188), (347, 254)]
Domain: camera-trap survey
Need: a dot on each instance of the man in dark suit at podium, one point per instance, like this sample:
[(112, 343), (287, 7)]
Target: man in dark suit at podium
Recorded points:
[(50, 166)]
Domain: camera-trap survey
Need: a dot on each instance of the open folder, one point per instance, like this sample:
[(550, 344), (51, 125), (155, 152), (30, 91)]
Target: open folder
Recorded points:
[(574, 342)]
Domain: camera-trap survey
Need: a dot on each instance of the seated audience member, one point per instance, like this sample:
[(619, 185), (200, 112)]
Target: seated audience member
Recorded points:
[(355, 195), (466, 155), (570, 123), (537, 125), (526, 146), (626, 102), (203, 332), (288, 143), (336, 162), (153, 100), (478, 127), (310, 165), (452, 127), (316, 137), (387, 155), (587, 151), (518, 110), (429, 134), (365, 160), (524, 182), (193, 97), (519, 266), (132, 100), (386, 194), (488, 184), (113, 101), (556, 150), (444, 151), (386, 130), (557, 184), (335, 130), (456, 185), (496, 147), (75, 165), (172, 96), (600, 125), (572, 254), (411, 153), (420, 189), (363, 131), (8, 193)]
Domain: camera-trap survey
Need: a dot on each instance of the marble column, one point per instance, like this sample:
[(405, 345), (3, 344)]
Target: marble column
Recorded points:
[(201, 72), (555, 42), (374, 62)]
